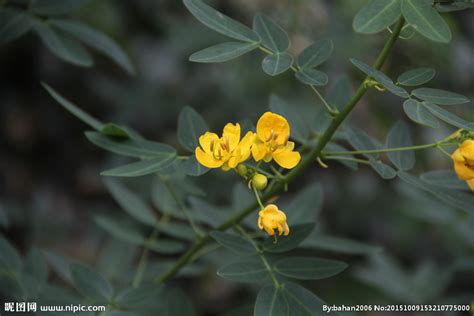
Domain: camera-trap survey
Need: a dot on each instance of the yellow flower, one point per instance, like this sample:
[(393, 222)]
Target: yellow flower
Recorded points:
[(271, 218), (463, 159), (273, 132), (226, 152)]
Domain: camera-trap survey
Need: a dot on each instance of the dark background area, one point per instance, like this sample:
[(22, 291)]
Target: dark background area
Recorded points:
[(49, 173)]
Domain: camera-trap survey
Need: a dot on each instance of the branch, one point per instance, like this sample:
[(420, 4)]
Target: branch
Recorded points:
[(305, 163)]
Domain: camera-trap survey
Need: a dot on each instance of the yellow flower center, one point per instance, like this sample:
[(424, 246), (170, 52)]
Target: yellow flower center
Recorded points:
[(220, 148)]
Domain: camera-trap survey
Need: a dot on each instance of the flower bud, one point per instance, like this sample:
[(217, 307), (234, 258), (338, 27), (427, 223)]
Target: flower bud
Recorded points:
[(242, 170), (259, 181)]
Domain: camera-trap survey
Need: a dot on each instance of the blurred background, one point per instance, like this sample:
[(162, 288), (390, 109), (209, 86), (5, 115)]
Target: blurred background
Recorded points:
[(50, 187)]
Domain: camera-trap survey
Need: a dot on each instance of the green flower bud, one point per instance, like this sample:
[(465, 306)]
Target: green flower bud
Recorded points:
[(259, 181), (242, 170)]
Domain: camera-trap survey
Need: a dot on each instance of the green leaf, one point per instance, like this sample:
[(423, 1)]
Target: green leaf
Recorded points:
[(179, 230), (453, 6), (448, 117), (130, 147), (63, 46), (219, 22), (297, 235), (277, 63), (60, 265), (381, 78), (271, 301), (331, 147), (444, 179), (340, 93), (312, 77), (399, 136), (315, 54), (303, 302), (339, 245), (14, 24), (439, 96), (271, 34), (191, 125), (304, 268), (9, 257), (376, 16), (166, 246), (385, 171), (419, 114), (96, 40), (299, 129), (206, 212), (35, 266), (90, 283), (131, 203), (193, 168), (121, 231), (55, 7), (306, 205), (426, 20), (141, 168), (361, 141), (141, 298), (73, 109), (165, 200), (416, 77), (222, 52), (114, 130), (459, 199), (244, 271), (234, 243)]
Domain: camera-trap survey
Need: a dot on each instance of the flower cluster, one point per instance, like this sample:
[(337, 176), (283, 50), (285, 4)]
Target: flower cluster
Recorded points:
[(270, 142), (463, 159)]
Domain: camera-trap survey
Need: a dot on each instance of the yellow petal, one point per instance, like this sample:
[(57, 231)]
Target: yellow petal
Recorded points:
[(470, 183), (287, 159), (271, 207), (245, 146), (235, 159), (269, 231), (258, 150), (232, 134), (463, 171), (286, 229), (273, 125), (281, 216), (206, 139), (467, 150), (207, 159), (457, 156)]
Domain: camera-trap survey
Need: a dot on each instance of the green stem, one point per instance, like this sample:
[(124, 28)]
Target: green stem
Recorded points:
[(363, 161), (257, 196), (330, 109), (267, 174), (260, 255), (382, 150), (299, 169), (142, 263)]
